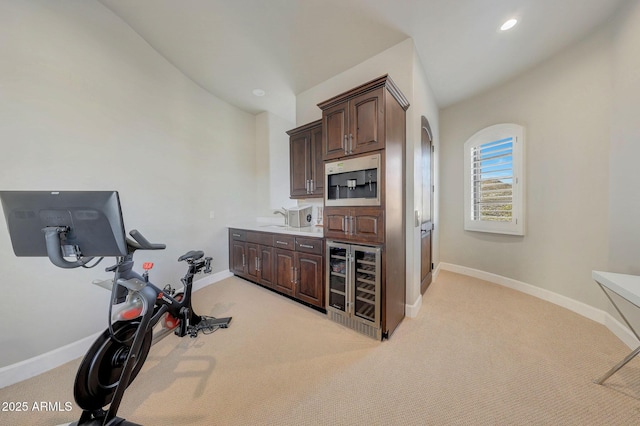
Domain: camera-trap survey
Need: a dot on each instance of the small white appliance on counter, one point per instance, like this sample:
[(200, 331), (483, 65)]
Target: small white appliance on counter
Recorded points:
[(300, 216)]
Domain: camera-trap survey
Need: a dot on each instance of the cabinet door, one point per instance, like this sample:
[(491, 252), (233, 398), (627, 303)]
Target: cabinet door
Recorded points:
[(299, 158), (425, 260), (317, 163), (309, 283), (367, 224), (238, 257), (252, 258), (284, 264), (336, 222), (366, 122), (360, 224), (265, 264), (334, 131)]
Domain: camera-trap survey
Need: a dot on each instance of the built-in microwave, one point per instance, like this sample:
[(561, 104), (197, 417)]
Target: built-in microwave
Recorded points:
[(353, 181)]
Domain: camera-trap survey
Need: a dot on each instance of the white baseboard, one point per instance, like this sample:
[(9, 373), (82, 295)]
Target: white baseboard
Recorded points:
[(31, 367), (412, 310), (210, 279), (597, 315)]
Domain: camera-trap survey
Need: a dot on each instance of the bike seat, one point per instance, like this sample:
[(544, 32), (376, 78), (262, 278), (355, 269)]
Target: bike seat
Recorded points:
[(193, 255)]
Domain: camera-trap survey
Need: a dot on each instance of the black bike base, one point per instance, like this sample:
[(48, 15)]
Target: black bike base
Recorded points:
[(116, 421), (207, 325), (214, 323)]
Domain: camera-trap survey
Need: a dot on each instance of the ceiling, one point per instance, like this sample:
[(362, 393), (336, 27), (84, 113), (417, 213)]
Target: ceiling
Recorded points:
[(230, 47)]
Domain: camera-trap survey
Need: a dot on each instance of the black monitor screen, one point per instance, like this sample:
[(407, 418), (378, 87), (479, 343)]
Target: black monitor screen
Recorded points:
[(93, 218)]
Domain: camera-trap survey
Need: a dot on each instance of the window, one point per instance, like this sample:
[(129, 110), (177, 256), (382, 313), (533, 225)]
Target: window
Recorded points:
[(494, 180)]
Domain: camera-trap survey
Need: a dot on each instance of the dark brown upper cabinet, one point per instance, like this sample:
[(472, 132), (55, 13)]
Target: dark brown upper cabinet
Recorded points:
[(305, 161), (354, 122)]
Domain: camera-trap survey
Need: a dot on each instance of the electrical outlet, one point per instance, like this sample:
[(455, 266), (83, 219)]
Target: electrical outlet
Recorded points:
[(212, 214)]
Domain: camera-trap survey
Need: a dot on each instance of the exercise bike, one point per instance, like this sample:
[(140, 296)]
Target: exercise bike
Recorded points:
[(116, 357), (80, 229)]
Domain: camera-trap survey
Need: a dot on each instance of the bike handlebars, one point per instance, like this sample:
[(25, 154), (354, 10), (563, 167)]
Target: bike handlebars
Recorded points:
[(141, 243), (54, 250)]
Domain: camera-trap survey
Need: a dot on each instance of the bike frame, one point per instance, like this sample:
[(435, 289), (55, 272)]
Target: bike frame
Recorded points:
[(163, 301), (118, 354), (152, 298), (156, 303)]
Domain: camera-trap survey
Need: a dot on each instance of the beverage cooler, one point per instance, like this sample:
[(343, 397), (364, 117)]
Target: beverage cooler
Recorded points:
[(353, 287)]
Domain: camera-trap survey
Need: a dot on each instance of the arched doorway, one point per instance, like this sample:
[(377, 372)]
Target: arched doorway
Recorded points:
[(426, 215)]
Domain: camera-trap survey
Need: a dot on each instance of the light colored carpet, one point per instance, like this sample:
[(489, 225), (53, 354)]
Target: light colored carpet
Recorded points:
[(477, 354)]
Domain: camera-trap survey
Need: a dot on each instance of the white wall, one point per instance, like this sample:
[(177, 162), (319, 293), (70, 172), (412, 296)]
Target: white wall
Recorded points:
[(565, 106), (402, 65), (395, 61), (262, 166), (85, 103), (280, 189), (423, 104), (624, 202), (272, 164)]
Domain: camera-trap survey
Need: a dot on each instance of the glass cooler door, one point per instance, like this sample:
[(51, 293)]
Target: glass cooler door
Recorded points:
[(338, 272), (366, 279)]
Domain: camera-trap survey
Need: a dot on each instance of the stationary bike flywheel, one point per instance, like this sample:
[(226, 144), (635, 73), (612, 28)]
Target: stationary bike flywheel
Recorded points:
[(100, 370)]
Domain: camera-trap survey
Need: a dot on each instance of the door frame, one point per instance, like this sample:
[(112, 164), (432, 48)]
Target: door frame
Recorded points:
[(426, 226)]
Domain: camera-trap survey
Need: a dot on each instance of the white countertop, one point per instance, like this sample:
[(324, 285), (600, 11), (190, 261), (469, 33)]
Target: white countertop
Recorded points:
[(627, 286), (277, 228)]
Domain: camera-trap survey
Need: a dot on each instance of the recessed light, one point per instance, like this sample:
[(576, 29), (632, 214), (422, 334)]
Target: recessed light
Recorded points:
[(259, 92), (509, 24)]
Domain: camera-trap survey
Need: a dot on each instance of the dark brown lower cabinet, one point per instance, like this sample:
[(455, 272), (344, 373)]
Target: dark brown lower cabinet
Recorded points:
[(260, 265), (290, 265), (285, 276), (309, 275), (238, 252)]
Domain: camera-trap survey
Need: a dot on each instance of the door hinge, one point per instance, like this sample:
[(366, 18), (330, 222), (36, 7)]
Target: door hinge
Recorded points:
[(432, 266)]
